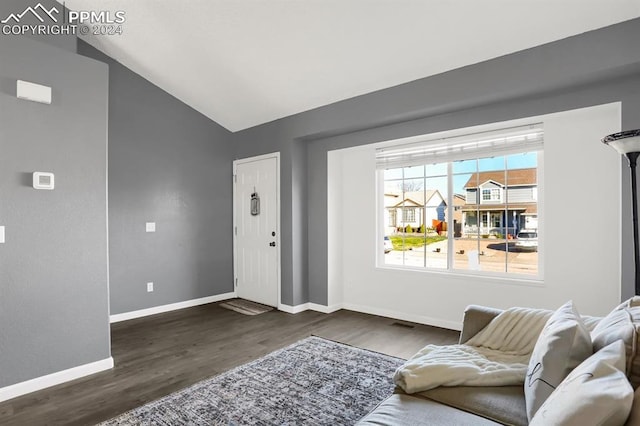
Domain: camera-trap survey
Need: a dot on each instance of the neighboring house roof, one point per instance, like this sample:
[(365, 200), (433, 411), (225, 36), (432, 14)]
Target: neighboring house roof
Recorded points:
[(459, 199), (513, 177), (414, 198)]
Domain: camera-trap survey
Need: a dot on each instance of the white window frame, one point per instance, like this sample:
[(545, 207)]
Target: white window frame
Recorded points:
[(451, 270)]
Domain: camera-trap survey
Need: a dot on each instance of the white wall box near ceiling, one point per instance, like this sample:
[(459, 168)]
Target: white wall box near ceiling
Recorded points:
[(33, 92), (43, 180)]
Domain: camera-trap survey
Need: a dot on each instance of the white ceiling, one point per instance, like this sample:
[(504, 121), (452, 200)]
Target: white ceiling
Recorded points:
[(247, 62)]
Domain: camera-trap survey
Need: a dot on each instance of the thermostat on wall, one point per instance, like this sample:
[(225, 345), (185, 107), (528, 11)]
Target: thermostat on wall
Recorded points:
[(43, 180)]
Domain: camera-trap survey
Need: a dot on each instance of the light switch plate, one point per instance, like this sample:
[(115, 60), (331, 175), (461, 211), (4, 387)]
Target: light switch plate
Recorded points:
[(1, 234), (151, 227), (149, 287), (33, 92)]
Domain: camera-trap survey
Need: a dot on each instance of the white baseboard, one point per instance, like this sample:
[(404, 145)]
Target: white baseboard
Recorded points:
[(403, 316), (293, 309), (324, 309), (309, 307), (171, 307), (53, 379), (420, 319)]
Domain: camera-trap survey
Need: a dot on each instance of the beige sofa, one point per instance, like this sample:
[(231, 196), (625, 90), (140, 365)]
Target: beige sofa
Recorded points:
[(462, 405)]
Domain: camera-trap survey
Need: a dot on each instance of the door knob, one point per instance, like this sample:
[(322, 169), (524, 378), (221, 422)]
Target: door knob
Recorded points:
[(272, 244)]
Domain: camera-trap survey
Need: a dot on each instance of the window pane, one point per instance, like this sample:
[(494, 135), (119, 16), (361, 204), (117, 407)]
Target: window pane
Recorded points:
[(436, 221), (491, 163), (396, 214), (466, 166), (413, 172), (523, 213), (465, 187), (392, 174), (411, 186), (435, 201), (524, 248), (395, 256), (408, 243), (436, 246), (439, 169), (393, 187), (466, 221), (522, 161), (493, 251)]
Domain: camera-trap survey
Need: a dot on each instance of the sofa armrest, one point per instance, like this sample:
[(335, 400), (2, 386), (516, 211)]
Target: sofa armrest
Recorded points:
[(475, 319)]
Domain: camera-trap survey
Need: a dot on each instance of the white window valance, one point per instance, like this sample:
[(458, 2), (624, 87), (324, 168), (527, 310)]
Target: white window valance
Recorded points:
[(512, 140)]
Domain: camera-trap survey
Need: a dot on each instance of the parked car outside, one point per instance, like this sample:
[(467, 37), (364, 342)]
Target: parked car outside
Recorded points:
[(527, 239), (388, 246)]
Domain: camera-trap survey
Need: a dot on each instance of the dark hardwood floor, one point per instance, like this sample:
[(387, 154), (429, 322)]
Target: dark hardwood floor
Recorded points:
[(159, 354)]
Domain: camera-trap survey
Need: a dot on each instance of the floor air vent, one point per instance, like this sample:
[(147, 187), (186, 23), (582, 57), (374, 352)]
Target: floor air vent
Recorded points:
[(399, 324)]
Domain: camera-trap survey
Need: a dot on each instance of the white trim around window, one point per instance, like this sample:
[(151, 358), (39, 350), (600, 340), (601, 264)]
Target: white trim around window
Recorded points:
[(442, 240)]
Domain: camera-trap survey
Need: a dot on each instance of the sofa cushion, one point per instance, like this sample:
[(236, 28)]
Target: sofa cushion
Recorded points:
[(597, 392), (503, 404), (622, 323), (403, 409), (563, 344), (634, 416)]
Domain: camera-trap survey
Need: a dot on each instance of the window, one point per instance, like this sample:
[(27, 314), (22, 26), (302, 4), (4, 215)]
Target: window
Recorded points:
[(496, 220), (473, 204), (409, 215), (392, 217), (491, 194)]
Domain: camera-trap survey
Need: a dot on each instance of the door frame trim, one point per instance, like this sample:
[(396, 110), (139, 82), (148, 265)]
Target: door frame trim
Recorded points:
[(275, 155)]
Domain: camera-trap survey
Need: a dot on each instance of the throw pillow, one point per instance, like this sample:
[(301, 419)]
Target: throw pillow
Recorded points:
[(563, 344), (597, 392), (622, 323)]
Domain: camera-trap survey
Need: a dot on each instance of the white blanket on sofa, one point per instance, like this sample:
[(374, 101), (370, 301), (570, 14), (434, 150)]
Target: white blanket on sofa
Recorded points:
[(497, 356)]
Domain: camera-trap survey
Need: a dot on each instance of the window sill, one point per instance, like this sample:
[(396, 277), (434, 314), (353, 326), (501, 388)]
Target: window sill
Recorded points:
[(483, 277)]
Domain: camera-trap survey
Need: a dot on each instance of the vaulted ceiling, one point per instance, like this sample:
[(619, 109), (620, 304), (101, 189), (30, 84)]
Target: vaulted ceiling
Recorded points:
[(247, 62)]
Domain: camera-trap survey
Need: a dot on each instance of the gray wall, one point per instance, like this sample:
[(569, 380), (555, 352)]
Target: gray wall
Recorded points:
[(171, 165), (592, 68), (280, 136), (53, 267)]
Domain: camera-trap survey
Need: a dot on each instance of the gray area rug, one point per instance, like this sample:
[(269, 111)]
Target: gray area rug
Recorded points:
[(246, 307), (312, 382)]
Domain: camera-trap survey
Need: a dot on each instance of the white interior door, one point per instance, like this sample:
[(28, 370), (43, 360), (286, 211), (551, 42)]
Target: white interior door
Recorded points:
[(257, 228)]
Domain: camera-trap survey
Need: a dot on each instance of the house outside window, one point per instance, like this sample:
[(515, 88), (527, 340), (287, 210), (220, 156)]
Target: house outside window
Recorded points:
[(464, 214)]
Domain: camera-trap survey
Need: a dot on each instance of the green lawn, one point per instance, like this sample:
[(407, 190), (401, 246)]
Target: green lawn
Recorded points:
[(405, 242)]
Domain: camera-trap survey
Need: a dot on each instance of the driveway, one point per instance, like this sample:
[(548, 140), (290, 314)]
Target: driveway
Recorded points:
[(493, 255)]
